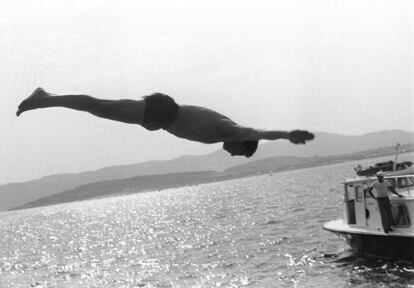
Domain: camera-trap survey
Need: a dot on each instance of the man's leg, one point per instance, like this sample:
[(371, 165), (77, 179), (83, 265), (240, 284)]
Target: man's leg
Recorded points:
[(128, 111), (383, 213), (390, 217)]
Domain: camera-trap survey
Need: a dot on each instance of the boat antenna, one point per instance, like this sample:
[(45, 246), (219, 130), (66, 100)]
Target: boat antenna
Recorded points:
[(396, 156)]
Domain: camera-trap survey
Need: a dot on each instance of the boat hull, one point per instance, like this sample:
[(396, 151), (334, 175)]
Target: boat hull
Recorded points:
[(382, 246)]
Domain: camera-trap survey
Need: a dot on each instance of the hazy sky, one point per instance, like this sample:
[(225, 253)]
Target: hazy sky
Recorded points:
[(333, 66)]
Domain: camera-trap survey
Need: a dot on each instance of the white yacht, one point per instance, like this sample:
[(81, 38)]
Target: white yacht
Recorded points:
[(361, 224)]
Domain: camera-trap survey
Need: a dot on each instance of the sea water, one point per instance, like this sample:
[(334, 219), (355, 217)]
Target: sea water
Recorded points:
[(262, 231)]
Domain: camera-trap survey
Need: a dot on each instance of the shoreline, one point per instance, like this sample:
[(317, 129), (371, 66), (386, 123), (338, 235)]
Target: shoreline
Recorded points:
[(151, 183)]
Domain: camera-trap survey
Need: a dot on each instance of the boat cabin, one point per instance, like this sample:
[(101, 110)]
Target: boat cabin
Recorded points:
[(362, 211)]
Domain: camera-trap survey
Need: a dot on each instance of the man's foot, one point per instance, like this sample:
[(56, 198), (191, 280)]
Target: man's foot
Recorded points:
[(33, 101), (300, 136)]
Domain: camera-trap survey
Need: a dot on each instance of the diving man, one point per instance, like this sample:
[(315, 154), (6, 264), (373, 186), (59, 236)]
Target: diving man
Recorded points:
[(159, 111)]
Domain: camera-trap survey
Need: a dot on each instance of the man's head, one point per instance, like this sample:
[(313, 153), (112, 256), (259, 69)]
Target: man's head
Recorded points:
[(380, 176), (245, 148)]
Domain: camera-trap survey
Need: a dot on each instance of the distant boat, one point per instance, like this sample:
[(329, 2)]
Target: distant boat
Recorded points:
[(382, 166), (361, 225)]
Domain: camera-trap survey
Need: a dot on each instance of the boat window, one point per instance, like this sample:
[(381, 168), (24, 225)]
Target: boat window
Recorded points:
[(392, 182), (350, 193), (401, 217), (358, 193), (405, 182), (402, 182)]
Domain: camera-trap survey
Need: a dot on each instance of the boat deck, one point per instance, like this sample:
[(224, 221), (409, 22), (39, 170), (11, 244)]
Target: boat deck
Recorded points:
[(340, 227)]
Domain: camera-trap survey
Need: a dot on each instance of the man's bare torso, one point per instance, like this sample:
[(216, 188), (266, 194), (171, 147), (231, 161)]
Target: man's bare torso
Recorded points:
[(201, 124)]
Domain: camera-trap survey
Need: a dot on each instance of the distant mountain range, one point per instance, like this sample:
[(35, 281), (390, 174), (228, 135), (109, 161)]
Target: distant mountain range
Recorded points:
[(269, 153), (171, 180)]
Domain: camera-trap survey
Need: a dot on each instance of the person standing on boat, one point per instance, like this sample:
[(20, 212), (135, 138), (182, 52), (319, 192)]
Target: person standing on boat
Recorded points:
[(159, 111), (382, 187)]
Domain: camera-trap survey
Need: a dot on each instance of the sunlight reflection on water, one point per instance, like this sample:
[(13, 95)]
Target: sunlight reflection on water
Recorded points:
[(260, 231)]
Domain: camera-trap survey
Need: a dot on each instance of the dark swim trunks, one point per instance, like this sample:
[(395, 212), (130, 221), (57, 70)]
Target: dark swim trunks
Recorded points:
[(160, 111)]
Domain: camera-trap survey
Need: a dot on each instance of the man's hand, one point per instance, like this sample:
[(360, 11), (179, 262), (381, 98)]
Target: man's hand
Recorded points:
[(400, 196), (300, 136)]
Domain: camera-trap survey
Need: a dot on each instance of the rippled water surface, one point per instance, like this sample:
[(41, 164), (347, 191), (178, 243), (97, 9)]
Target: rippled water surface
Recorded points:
[(263, 231)]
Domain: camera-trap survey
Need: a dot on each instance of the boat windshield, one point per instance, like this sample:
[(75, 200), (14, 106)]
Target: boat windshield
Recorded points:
[(401, 182)]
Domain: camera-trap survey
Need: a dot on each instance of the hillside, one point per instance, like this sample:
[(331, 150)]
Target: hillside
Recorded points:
[(276, 164), (158, 182), (325, 144), (125, 186)]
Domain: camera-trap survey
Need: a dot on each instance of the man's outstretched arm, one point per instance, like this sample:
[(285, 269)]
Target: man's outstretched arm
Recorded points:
[(295, 136)]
